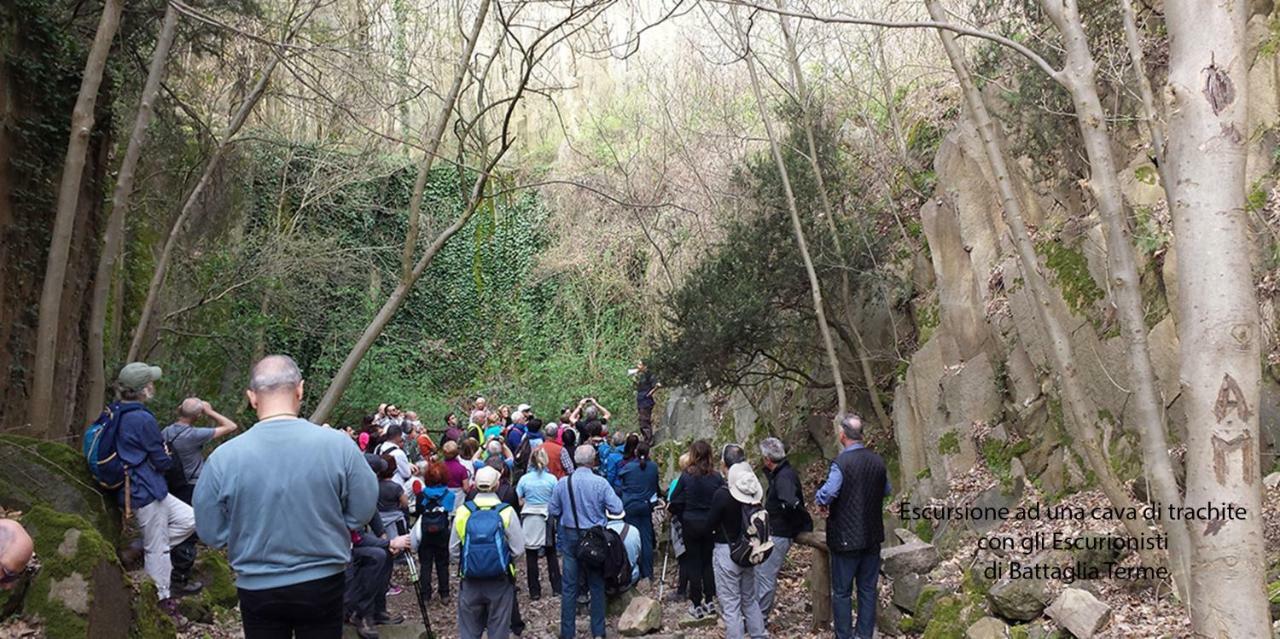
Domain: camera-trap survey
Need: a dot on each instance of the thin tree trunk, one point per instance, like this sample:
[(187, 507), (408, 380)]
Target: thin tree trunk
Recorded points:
[(113, 239), (1148, 407), (815, 287), (805, 100), (1149, 113), (1060, 351), (433, 143), (1218, 325), (40, 409), (193, 198)]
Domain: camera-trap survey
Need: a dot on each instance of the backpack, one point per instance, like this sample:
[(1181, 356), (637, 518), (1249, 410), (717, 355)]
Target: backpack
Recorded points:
[(485, 554), (617, 566), (755, 545), (593, 546), (100, 446), (434, 516), (176, 476)]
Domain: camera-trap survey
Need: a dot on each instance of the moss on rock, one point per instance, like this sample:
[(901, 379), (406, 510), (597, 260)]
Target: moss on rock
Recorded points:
[(34, 472), (149, 622), (219, 581), (77, 566), (952, 616), (1070, 268)]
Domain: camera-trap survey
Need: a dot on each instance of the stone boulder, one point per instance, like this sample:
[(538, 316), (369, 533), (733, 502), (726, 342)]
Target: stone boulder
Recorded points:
[(995, 498), (1018, 599), (906, 591), (642, 616), (35, 472), (618, 603), (911, 557), (988, 628), (1079, 612)]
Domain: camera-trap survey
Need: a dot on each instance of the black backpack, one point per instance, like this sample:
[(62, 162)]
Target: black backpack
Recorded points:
[(434, 517), (176, 476), (617, 566), (755, 545), (593, 546)]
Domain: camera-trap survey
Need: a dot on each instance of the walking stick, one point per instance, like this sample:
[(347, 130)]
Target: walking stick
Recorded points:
[(417, 592), (662, 583)]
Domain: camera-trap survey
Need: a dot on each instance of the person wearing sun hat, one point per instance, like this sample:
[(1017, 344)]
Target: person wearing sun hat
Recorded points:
[(735, 583), (630, 536), (164, 519)]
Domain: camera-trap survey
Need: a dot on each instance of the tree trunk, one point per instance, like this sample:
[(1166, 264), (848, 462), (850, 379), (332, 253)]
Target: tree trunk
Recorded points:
[(807, 116), (1148, 406), (433, 142), (1075, 397), (55, 273), (114, 236), (815, 287), (193, 198), (1218, 325)]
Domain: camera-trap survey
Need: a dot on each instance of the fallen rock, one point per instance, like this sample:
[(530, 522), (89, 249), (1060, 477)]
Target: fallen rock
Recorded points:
[(906, 591), (988, 628), (618, 603), (1099, 556), (708, 621), (1018, 599), (1079, 612), (991, 500), (642, 616), (912, 557), (889, 619)]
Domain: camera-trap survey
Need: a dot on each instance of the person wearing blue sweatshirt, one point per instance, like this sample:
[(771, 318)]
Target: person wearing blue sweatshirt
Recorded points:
[(164, 519), (286, 526)]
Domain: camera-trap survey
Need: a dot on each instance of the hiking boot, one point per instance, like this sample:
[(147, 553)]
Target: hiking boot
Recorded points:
[(386, 619), (710, 608), (183, 588), (696, 612), (365, 629)]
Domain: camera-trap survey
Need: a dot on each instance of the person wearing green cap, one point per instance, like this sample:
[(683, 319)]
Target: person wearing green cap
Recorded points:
[(164, 519)]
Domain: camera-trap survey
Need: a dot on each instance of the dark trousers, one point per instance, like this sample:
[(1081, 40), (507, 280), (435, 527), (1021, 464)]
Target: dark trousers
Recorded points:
[(696, 562), (368, 576), (434, 551), (644, 415), (535, 576), (847, 568), (309, 610), (183, 556), (643, 523)]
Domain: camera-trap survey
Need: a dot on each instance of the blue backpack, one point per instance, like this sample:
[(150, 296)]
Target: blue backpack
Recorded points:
[(485, 554), (100, 446)]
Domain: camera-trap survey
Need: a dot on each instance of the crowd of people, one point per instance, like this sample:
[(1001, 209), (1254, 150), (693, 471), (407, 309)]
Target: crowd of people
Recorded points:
[(314, 519)]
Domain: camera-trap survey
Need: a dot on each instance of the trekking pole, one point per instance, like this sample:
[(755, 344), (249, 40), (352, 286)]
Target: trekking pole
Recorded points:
[(662, 583), (417, 592)]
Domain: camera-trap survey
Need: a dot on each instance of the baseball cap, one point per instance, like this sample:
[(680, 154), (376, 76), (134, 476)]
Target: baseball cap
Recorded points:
[(523, 408), (487, 479), (136, 375)]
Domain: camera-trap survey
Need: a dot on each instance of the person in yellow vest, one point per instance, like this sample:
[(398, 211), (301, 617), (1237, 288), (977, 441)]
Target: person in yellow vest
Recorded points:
[(485, 540)]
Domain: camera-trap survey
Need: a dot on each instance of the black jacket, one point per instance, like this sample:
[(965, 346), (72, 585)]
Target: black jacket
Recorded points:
[(691, 502), (856, 521), (784, 502), (725, 519)]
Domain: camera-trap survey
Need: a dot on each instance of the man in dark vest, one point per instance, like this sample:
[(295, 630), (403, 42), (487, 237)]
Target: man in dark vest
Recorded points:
[(853, 500)]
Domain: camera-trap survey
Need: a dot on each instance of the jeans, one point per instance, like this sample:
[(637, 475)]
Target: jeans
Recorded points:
[(535, 576), (434, 551), (485, 605), (309, 610), (165, 523), (767, 573), (568, 541), (736, 588), (862, 567), (696, 562), (368, 576), (643, 523)]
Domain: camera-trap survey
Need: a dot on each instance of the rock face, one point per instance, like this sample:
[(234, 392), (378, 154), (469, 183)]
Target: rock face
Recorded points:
[(641, 617), (906, 591), (1018, 599), (1079, 612), (34, 472), (912, 557), (988, 628)]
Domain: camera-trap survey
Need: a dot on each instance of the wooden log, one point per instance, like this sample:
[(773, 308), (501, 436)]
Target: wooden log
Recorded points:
[(818, 578)]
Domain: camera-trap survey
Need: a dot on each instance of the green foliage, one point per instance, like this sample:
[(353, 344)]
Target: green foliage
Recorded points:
[(927, 319), (949, 443), (1071, 272)]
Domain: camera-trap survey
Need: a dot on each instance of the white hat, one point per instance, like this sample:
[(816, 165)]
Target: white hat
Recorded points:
[(487, 479), (523, 408), (616, 516), (743, 484)]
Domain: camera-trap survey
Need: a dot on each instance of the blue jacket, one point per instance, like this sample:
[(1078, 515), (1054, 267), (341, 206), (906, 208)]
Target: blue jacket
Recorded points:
[(638, 486), (431, 492), (516, 436), (141, 448), (610, 461)]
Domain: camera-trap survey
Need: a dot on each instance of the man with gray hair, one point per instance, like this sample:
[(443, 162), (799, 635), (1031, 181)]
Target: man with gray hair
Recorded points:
[(853, 496), (286, 520), (788, 517), (581, 502)]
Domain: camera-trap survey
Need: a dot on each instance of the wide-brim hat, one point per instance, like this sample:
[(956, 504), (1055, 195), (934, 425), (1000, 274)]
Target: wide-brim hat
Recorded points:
[(744, 486), (616, 516)]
